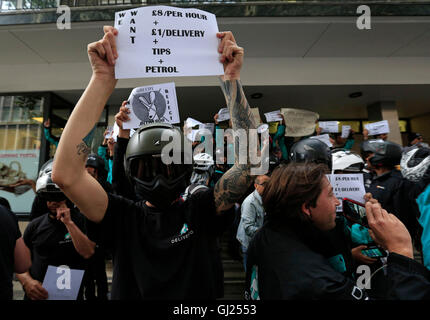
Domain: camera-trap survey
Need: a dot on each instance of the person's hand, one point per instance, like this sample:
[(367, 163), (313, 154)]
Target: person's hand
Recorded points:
[(216, 118), (360, 257), (318, 131), (368, 197), (63, 214), (47, 123), (122, 115), (103, 53), (35, 291), (231, 55), (388, 231), (111, 146)]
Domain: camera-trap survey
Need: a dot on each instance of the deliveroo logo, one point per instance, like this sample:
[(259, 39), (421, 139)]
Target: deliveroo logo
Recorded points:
[(184, 229), (67, 236)]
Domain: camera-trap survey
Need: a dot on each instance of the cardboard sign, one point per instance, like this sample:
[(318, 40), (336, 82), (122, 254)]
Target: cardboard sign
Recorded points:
[(298, 122), (62, 283), (156, 103), (163, 41), (329, 126), (347, 186), (376, 128)]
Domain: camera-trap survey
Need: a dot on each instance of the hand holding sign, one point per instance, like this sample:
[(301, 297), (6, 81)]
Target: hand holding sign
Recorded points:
[(231, 55), (102, 55), (34, 290)]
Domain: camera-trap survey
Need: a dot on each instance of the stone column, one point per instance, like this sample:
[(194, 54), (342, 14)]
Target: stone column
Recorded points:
[(386, 110)]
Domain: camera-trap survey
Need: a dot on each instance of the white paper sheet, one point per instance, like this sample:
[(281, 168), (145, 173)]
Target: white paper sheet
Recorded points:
[(62, 283), (223, 114), (345, 131), (324, 138), (379, 127), (273, 116), (329, 126), (163, 41), (347, 186)]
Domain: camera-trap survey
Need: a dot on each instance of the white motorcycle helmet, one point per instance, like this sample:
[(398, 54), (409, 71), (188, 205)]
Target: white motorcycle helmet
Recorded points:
[(345, 160), (415, 163), (203, 168)]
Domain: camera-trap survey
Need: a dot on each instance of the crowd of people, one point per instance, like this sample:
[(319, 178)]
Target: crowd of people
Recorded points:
[(161, 224)]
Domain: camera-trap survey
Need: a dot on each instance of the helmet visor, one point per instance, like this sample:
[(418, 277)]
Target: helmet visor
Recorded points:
[(147, 167)]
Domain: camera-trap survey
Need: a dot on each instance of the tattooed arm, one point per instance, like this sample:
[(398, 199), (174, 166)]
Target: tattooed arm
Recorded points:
[(236, 181), (69, 165)]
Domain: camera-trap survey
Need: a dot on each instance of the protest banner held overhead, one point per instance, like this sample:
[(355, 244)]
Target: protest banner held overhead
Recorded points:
[(163, 41), (299, 122)]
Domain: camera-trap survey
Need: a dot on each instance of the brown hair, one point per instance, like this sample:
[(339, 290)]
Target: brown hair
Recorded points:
[(289, 187)]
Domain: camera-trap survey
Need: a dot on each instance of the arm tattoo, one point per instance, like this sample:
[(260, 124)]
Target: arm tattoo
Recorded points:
[(84, 148), (236, 181)]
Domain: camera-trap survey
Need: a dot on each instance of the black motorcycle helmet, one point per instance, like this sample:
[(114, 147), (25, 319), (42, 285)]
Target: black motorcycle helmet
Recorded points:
[(311, 150), (154, 181), (96, 162), (385, 153), (45, 187)]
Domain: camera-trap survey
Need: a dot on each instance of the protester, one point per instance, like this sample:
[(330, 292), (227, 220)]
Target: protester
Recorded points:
[(160, 246), (14, 255), (252, 215), (47, 131), (56, 238), (285, 259)]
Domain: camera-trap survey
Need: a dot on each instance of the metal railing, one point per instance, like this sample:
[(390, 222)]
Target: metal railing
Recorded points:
[(12, 5)]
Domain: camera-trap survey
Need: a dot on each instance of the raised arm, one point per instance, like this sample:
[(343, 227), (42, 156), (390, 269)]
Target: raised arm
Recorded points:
[(236, 181), (69, 166)]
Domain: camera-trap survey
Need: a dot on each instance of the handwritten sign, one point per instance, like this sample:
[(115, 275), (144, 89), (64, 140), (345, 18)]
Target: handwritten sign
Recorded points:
[(298, 122), (329, 126), (62, 283), (223, 114), (347, 186), (191, 123), (156, 103), (324, 138), (345, 131), (163, 41), (379, 127), (273, 116)]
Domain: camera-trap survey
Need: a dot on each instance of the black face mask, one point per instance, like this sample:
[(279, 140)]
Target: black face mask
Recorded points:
[(159, 192)]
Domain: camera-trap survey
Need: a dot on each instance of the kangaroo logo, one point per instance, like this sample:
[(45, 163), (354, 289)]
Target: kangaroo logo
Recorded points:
[(149, 107)]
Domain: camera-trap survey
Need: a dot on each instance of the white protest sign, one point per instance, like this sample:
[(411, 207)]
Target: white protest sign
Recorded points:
[(192, 135), (376, 128), (191, 123), (163, 41), (115, 131), (345, 131), (223, 115), (273, 116), (323, 138), (263, 127), (329, 126), (109, 132), (347, 186), (298, 122), (208, 126), (62, 283), (156, 103)]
